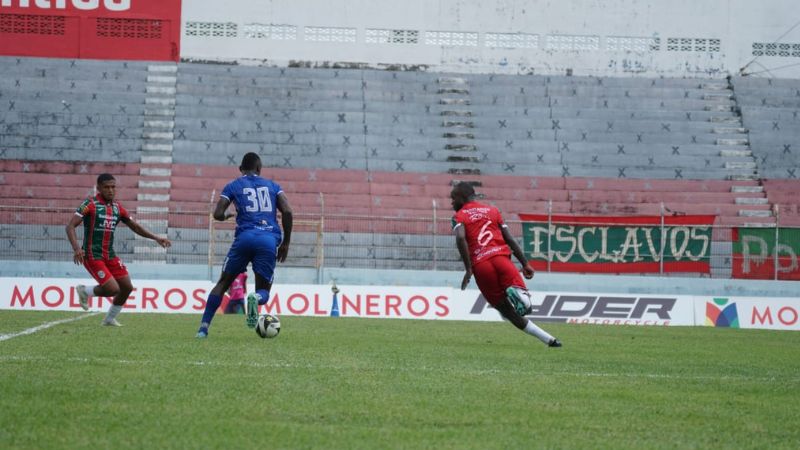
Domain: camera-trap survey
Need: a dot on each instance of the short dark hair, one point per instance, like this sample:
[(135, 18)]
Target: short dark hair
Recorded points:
[(464, 189), (250, 161), (103, 177)]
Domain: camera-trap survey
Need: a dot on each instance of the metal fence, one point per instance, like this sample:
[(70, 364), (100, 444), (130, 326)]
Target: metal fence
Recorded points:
[(329, 240)]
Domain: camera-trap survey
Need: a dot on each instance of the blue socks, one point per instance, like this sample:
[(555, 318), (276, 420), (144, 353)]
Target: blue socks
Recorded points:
[(264, 294), (211, 308)]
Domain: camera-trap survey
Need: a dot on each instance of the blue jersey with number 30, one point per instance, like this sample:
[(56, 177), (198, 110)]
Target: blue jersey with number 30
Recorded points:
[(256, 203)]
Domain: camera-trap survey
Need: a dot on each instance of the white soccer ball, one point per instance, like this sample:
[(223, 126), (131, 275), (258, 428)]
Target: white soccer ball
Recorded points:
[(268, 326)]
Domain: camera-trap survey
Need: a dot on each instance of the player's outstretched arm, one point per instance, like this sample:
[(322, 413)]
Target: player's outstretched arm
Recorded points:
[(286, 223), (463, 250), (78, 254), (527, 270), (144, 232)]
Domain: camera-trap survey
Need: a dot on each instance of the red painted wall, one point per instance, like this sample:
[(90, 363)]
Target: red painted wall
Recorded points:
[(93, 29)]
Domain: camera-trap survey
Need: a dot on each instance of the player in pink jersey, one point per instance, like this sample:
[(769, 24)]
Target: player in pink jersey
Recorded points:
[(236, 294), (486, 246)]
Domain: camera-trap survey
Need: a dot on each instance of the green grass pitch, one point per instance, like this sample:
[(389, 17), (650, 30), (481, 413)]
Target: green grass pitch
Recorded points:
[(369, 383)]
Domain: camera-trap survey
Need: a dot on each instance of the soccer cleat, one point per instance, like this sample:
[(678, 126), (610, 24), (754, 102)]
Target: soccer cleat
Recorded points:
[(110, 323), (202, 333), (83, 299), (520, 304), (251, 316), (554, 343)]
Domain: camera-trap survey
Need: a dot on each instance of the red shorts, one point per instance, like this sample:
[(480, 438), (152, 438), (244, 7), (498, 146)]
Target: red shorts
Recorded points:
[(494, 275), (104, 270)]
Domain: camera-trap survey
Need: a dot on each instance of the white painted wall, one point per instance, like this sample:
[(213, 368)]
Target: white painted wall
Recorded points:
[(737, 24)]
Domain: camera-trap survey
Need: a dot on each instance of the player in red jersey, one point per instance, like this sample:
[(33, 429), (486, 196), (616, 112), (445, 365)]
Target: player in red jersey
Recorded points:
[(486, 246), (100, 216)]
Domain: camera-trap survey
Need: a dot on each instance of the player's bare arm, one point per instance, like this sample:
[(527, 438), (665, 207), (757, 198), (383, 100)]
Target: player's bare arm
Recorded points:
[(78, 254), (219, 210), (527, 270), (463, 250), (286, 223), (143, 232)]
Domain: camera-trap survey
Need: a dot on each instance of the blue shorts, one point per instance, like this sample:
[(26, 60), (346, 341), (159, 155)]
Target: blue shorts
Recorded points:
[(256, 246)]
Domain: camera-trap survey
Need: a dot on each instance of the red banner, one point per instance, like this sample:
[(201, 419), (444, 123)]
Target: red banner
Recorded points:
[(91, 29)]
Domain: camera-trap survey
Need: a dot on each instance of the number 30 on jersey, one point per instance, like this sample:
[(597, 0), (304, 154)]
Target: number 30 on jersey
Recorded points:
[(258, 199)]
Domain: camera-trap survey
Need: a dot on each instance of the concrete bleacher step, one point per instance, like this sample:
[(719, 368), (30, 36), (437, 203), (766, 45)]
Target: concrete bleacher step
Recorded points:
[(163, 68), (720, 107), (751, 201), (145, 184), (166, 148), (461, 147), (152, 210), (755, 213), (726, 119), (463, 171), (159, 124), (457, 91), (451, 80), (715, 86), (159, 112), (737, 141), (152, 197), (458, 135), (742, 176), (457, 113), (458, 123), (729, 130), (162, 79), (748, 189), (161, 90), (735, 153), (160, 101), (158, 135), (735, 165), (454, 101), (459, 158), (155, 159), (155, 171), (719, 96)]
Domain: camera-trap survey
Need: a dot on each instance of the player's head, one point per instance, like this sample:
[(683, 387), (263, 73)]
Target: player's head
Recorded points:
[(461, 194), (251, 162), (107, 186)]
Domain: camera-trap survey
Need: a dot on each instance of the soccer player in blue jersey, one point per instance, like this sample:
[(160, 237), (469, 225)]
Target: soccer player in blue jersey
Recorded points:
[(258, 237)]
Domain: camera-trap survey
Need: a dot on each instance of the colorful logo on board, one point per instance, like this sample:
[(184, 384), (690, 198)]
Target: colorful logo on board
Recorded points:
[(721, 314)]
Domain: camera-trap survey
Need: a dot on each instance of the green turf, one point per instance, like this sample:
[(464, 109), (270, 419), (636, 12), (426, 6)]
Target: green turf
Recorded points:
[(370, 383)]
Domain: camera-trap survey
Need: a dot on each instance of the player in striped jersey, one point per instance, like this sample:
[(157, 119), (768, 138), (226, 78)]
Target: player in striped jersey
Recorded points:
[(100, 216), (486, 246)]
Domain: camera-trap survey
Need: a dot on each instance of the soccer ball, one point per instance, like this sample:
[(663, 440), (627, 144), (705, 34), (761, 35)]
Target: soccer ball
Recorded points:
[(268, 326)]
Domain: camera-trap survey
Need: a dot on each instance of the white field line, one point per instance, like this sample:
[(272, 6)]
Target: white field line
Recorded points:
[(289, 365), (44, 326)]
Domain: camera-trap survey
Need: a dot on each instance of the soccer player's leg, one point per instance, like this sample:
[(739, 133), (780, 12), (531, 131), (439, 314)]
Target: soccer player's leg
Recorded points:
[(234, 264), (98, 270), (123, 291), (264, 260), (513, 285), (514, 311)]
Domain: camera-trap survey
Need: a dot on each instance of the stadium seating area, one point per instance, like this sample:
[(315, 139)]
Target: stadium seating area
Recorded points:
[(358, 145)]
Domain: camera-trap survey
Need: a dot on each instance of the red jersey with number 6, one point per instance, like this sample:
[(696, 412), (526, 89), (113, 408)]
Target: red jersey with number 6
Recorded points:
[(482, 227)]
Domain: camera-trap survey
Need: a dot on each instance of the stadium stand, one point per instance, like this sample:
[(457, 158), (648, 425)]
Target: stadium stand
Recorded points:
[(384, 143)]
